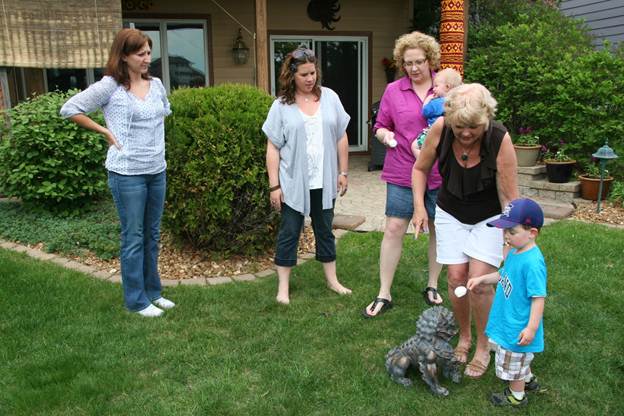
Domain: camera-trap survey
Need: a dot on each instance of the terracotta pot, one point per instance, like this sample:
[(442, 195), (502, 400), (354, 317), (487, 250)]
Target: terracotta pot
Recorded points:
[(559, 172), (590, 186), (527, 155)]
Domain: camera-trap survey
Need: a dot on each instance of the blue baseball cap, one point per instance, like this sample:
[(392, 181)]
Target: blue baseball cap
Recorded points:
[(522, 211)]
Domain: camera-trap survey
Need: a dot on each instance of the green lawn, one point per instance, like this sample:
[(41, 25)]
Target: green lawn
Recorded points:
[(69, 348)]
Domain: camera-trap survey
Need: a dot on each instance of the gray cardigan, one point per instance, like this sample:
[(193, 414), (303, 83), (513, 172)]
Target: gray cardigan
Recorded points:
[(284, 126)]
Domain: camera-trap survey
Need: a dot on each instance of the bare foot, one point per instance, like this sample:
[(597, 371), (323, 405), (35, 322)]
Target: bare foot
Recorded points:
[(284, 300), (338, 288)]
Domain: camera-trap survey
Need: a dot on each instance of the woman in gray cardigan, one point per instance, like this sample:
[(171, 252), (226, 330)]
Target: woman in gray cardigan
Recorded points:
[(307, 162)]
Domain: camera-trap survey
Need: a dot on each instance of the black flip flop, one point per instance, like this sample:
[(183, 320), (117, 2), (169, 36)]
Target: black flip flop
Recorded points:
[(435, 295), (385, 305)]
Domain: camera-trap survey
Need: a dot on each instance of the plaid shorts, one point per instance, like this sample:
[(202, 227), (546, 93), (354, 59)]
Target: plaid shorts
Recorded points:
[(512, 365)]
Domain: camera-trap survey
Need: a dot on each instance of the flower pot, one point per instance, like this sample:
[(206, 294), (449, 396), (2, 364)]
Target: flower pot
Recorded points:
[(527, 155), (559, 172), (590, 186)]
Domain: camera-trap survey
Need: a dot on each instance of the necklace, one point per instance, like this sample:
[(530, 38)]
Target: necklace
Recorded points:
[(466, 152)]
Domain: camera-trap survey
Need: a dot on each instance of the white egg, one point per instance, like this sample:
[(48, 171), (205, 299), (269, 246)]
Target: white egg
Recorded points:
[(392, 143), (460, 291)]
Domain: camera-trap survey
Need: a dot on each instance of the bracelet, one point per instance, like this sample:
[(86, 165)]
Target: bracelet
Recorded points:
[(274, 188), (345, 174)]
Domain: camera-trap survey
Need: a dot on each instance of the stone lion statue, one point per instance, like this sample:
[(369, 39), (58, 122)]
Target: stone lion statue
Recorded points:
[(427, 350)]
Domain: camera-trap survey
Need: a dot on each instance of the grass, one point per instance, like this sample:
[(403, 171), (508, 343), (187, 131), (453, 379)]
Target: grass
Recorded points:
[(69, 348)]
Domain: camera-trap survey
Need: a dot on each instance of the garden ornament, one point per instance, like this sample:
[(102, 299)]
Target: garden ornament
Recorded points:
[(427, 350), (603, 154)]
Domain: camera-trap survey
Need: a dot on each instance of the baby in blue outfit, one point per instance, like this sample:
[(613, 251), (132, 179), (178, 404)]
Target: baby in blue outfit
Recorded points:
[(434, 104)]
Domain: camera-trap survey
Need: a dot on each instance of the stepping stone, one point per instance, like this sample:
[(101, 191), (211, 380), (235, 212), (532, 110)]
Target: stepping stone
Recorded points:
[(555, 209), (348, 222)]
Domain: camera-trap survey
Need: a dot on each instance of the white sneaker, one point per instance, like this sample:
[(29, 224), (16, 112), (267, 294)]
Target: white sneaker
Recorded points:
[(151, 312), (163, 303)]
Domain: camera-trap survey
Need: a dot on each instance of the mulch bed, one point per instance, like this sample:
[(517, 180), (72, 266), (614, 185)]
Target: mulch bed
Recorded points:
[(609, 214), (177, 263)]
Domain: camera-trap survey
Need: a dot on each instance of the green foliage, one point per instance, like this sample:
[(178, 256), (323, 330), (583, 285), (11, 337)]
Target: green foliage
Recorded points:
[(48, 161), (544, 73), (617, 193), (559, 155), (217, 196), (95, 229)]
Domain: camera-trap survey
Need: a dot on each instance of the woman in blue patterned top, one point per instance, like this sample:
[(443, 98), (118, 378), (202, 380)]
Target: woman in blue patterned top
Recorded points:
[(134, 106)]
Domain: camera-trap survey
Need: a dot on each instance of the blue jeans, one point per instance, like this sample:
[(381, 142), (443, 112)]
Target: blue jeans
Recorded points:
[(140, 200), (290, 229)]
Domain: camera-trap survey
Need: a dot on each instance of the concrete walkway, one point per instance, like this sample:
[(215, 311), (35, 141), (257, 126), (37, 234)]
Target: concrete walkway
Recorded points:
[(366, 196), (366, 200)]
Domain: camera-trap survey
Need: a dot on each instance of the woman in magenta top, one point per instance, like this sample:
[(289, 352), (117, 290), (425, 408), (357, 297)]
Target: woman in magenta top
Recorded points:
[(399, 122)]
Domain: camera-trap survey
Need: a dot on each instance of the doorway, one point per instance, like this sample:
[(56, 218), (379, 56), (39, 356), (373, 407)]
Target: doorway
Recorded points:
[(343, 61)]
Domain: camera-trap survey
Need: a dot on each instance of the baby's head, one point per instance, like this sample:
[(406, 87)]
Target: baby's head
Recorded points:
[(445, 80)]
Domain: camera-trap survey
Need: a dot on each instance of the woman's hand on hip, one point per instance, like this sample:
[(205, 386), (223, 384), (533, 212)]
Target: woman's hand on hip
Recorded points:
[(276, 199), (420, 220), (111, 139), (343, 183)]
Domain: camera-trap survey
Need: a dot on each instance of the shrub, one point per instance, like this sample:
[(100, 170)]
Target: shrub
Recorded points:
[(582, 102), (48, 161), (544, 73), (617, 193), (217, 196)]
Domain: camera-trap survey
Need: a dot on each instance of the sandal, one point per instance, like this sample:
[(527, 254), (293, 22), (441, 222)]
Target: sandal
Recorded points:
[(385, 305), (461, 354), (477, 367), (433, 290)]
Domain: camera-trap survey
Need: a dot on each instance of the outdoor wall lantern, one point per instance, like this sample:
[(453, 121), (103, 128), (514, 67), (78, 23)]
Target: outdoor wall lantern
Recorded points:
[(603, 154), (240, 51)]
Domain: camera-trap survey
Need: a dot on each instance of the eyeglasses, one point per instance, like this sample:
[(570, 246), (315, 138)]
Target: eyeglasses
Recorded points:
[(417, 62), (302, 53)]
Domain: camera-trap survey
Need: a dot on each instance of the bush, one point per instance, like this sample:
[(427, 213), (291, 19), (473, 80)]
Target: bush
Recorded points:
[(217, 196), (545, 75), (48, 161)]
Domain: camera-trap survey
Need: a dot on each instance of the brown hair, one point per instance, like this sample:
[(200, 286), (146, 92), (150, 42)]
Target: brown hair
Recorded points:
[(127, 42), (287, 74)]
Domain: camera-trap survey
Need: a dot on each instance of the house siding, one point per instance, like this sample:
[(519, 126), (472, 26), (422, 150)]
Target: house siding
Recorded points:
[(605, 18), (384, 21)]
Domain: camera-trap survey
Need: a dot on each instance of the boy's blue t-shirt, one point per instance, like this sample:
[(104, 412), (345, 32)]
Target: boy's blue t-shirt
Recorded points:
[(522, 277), (433, 109)]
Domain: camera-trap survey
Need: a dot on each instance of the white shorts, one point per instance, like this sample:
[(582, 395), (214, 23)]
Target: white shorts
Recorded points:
[(458, 242)]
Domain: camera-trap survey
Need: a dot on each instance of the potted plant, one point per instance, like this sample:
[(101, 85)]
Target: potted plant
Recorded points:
[(558, 164), (527, 147), (590, 182)]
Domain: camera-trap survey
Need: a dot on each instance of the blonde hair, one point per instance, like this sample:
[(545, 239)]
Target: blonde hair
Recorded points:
[(417, 40), (469, 105), (450, 77)]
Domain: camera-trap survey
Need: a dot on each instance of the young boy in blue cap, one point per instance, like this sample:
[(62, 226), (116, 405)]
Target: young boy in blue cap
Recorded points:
[(515, 321)]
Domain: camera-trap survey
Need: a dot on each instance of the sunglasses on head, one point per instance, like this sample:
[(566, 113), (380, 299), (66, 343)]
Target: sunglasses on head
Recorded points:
[(302, 53)]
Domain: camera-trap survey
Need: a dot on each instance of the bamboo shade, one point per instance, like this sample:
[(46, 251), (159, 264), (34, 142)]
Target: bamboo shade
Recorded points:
[(57, 33)]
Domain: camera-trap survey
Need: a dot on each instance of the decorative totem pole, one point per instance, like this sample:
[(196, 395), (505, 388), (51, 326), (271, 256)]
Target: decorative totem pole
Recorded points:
[(452, 32)]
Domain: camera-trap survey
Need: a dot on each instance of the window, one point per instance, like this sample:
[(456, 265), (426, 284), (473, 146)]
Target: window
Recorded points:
[(179, 50)]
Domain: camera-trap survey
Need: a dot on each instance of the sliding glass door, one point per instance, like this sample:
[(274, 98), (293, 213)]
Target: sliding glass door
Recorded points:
[(343, 62)]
